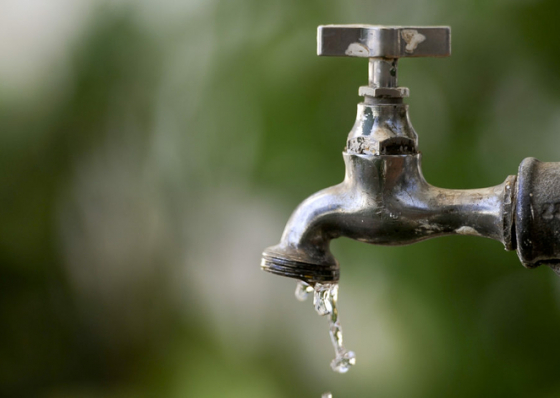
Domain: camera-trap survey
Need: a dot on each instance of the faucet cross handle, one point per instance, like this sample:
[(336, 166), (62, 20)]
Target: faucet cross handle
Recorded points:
[(383, 45)]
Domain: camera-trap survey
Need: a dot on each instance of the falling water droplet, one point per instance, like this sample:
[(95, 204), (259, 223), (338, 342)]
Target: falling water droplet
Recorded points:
[(327, 395), (303, 290), (324, 299)]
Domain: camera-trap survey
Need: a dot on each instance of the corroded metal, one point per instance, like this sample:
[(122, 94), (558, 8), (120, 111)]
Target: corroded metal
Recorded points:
[(382, 128), (369, 41), (383, 45), (384, 198), (537, 214)]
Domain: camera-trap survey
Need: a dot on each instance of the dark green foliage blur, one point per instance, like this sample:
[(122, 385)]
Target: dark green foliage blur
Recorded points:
[(151, 150)]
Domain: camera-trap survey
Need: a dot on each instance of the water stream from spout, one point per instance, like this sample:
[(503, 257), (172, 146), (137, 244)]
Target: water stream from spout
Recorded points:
[(325, 297)]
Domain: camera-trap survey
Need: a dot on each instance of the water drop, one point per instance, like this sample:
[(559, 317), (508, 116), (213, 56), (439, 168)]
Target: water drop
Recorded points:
[(343, 362), (324, 300), (326, 395), (303, 290)]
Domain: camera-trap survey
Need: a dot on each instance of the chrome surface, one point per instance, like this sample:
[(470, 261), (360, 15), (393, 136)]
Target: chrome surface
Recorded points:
[(384, 198), (383, 72)]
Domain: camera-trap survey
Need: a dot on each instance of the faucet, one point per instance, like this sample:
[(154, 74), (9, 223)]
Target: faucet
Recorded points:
[(384, 198)]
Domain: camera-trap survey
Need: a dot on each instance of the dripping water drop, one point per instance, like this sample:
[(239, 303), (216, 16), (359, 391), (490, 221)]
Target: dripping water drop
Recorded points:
[(325, 297), (303, 290)]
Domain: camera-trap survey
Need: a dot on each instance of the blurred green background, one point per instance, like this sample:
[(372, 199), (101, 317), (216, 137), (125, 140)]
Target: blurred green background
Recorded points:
[(149, 150)]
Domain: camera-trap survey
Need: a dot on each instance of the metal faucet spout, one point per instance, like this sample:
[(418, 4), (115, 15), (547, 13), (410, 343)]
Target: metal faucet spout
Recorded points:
[(384, 200)]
